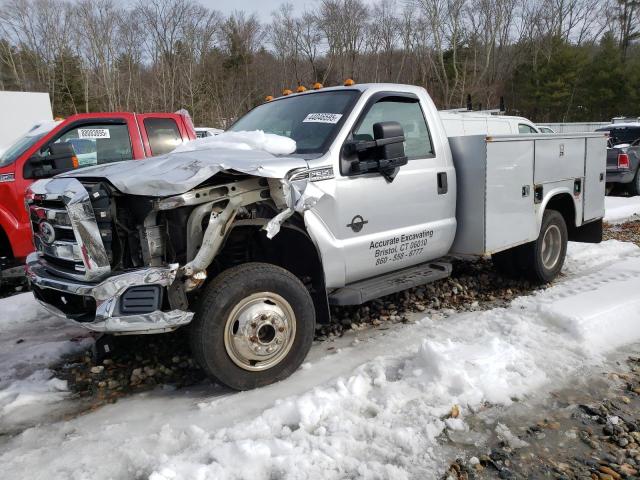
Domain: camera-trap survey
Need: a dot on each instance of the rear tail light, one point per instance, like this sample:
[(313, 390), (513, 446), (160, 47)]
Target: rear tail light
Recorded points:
[(623, 160)]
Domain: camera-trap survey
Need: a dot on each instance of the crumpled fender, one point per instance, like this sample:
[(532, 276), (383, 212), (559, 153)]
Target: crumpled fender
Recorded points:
[(300, 194)]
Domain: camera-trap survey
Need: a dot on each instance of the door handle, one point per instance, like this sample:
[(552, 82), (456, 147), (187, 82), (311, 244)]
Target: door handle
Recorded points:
[(443, 186)]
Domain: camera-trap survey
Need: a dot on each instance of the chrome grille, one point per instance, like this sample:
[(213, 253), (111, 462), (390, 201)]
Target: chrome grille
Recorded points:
[(53, 234), (65, 231)]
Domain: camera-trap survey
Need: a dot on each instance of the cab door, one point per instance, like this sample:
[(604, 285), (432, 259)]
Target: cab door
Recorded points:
[(162, 133), (381, 225)]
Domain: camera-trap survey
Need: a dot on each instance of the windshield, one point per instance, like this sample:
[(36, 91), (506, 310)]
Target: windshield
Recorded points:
[(18, 148), (622, 134), (312, 119), (25, 142)]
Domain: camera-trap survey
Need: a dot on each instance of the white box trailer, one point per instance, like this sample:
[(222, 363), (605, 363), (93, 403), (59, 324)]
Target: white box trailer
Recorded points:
[(20, 111), (503, 181)]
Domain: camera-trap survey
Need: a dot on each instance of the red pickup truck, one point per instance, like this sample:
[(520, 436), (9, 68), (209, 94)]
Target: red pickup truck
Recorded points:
[(80, 140)]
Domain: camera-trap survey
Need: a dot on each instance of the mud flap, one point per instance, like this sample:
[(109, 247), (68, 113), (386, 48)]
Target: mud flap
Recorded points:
[(588, 233)]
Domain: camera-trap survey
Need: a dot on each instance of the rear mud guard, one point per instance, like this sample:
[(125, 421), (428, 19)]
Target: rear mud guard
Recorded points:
[(588, 233)]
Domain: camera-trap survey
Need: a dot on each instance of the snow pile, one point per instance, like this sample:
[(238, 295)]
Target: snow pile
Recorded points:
[(601, 311), (375, 410), (621, 209), (37, 389), (583, 258), (30, 341), (255, 140)]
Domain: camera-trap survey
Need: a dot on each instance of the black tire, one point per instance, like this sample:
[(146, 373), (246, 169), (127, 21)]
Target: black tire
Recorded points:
[(220, 356), (634, 186), (533, 254)]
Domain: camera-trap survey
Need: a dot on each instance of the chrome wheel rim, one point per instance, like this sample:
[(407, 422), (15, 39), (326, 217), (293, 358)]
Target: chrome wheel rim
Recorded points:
[(551, 247), (259, 332)]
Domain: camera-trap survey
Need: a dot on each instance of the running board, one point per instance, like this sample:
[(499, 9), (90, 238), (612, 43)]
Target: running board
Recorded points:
[(360, 292)]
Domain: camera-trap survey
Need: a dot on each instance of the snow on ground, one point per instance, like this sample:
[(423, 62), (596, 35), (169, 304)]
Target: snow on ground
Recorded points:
[(373, 409), (30, 340), (621, 209)]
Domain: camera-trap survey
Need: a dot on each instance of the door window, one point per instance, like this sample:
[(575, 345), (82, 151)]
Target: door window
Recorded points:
[(163, 135), (96, 144), (524, 128), (408, 113)]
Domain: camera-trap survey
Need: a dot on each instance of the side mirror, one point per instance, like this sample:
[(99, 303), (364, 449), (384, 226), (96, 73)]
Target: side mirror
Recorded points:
[(384, 154), (390, 137), (61, 158)]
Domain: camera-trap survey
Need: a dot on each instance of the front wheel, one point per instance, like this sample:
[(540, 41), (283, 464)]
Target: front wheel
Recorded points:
[(544, 258), (254, 326)]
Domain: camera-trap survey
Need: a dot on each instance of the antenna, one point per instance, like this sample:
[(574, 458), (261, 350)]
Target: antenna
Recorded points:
[(469, 104), (502, 107)]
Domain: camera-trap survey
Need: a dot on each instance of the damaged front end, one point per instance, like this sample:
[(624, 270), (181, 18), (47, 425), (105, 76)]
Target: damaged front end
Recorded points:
[(124, 263)]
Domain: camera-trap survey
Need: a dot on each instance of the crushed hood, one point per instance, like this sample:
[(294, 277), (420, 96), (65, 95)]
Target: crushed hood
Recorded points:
[(184, 169)]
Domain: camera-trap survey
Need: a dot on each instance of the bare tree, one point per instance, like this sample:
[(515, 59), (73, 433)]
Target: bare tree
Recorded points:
[(309, 38), (283, 35), (168, 54)]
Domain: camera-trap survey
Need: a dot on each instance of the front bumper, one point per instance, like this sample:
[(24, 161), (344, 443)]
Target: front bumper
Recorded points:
[(97, 306)]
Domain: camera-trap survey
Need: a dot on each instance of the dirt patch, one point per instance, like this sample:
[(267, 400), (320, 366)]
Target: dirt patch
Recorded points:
[(590, 432), (625, 232)]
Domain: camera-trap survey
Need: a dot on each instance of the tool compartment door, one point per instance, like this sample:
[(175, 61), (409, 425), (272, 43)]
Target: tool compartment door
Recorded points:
[(510, 212), (595, 169), (558, 159)]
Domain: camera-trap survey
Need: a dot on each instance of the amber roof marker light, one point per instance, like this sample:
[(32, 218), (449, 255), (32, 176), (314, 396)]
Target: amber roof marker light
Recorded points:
[(268, 98), (317, 86), (286, 92), (349, 82), (301, 89)]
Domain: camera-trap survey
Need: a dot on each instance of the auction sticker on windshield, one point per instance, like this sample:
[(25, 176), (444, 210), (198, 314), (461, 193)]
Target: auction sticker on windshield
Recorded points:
[(94, 133), (323, 118)]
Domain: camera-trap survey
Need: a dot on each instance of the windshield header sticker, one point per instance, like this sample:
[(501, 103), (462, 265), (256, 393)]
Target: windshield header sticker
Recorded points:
[(323, 118), (94, 133)]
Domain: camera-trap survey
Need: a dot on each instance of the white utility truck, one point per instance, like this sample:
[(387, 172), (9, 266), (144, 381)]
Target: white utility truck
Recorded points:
[(248, 237)]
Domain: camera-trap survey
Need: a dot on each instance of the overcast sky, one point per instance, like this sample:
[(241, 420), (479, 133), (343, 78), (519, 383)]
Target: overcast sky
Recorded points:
[(264, 7), (261, 7)]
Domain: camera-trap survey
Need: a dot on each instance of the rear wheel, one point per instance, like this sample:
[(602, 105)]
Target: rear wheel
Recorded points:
[(254, 326), (544, 258)]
